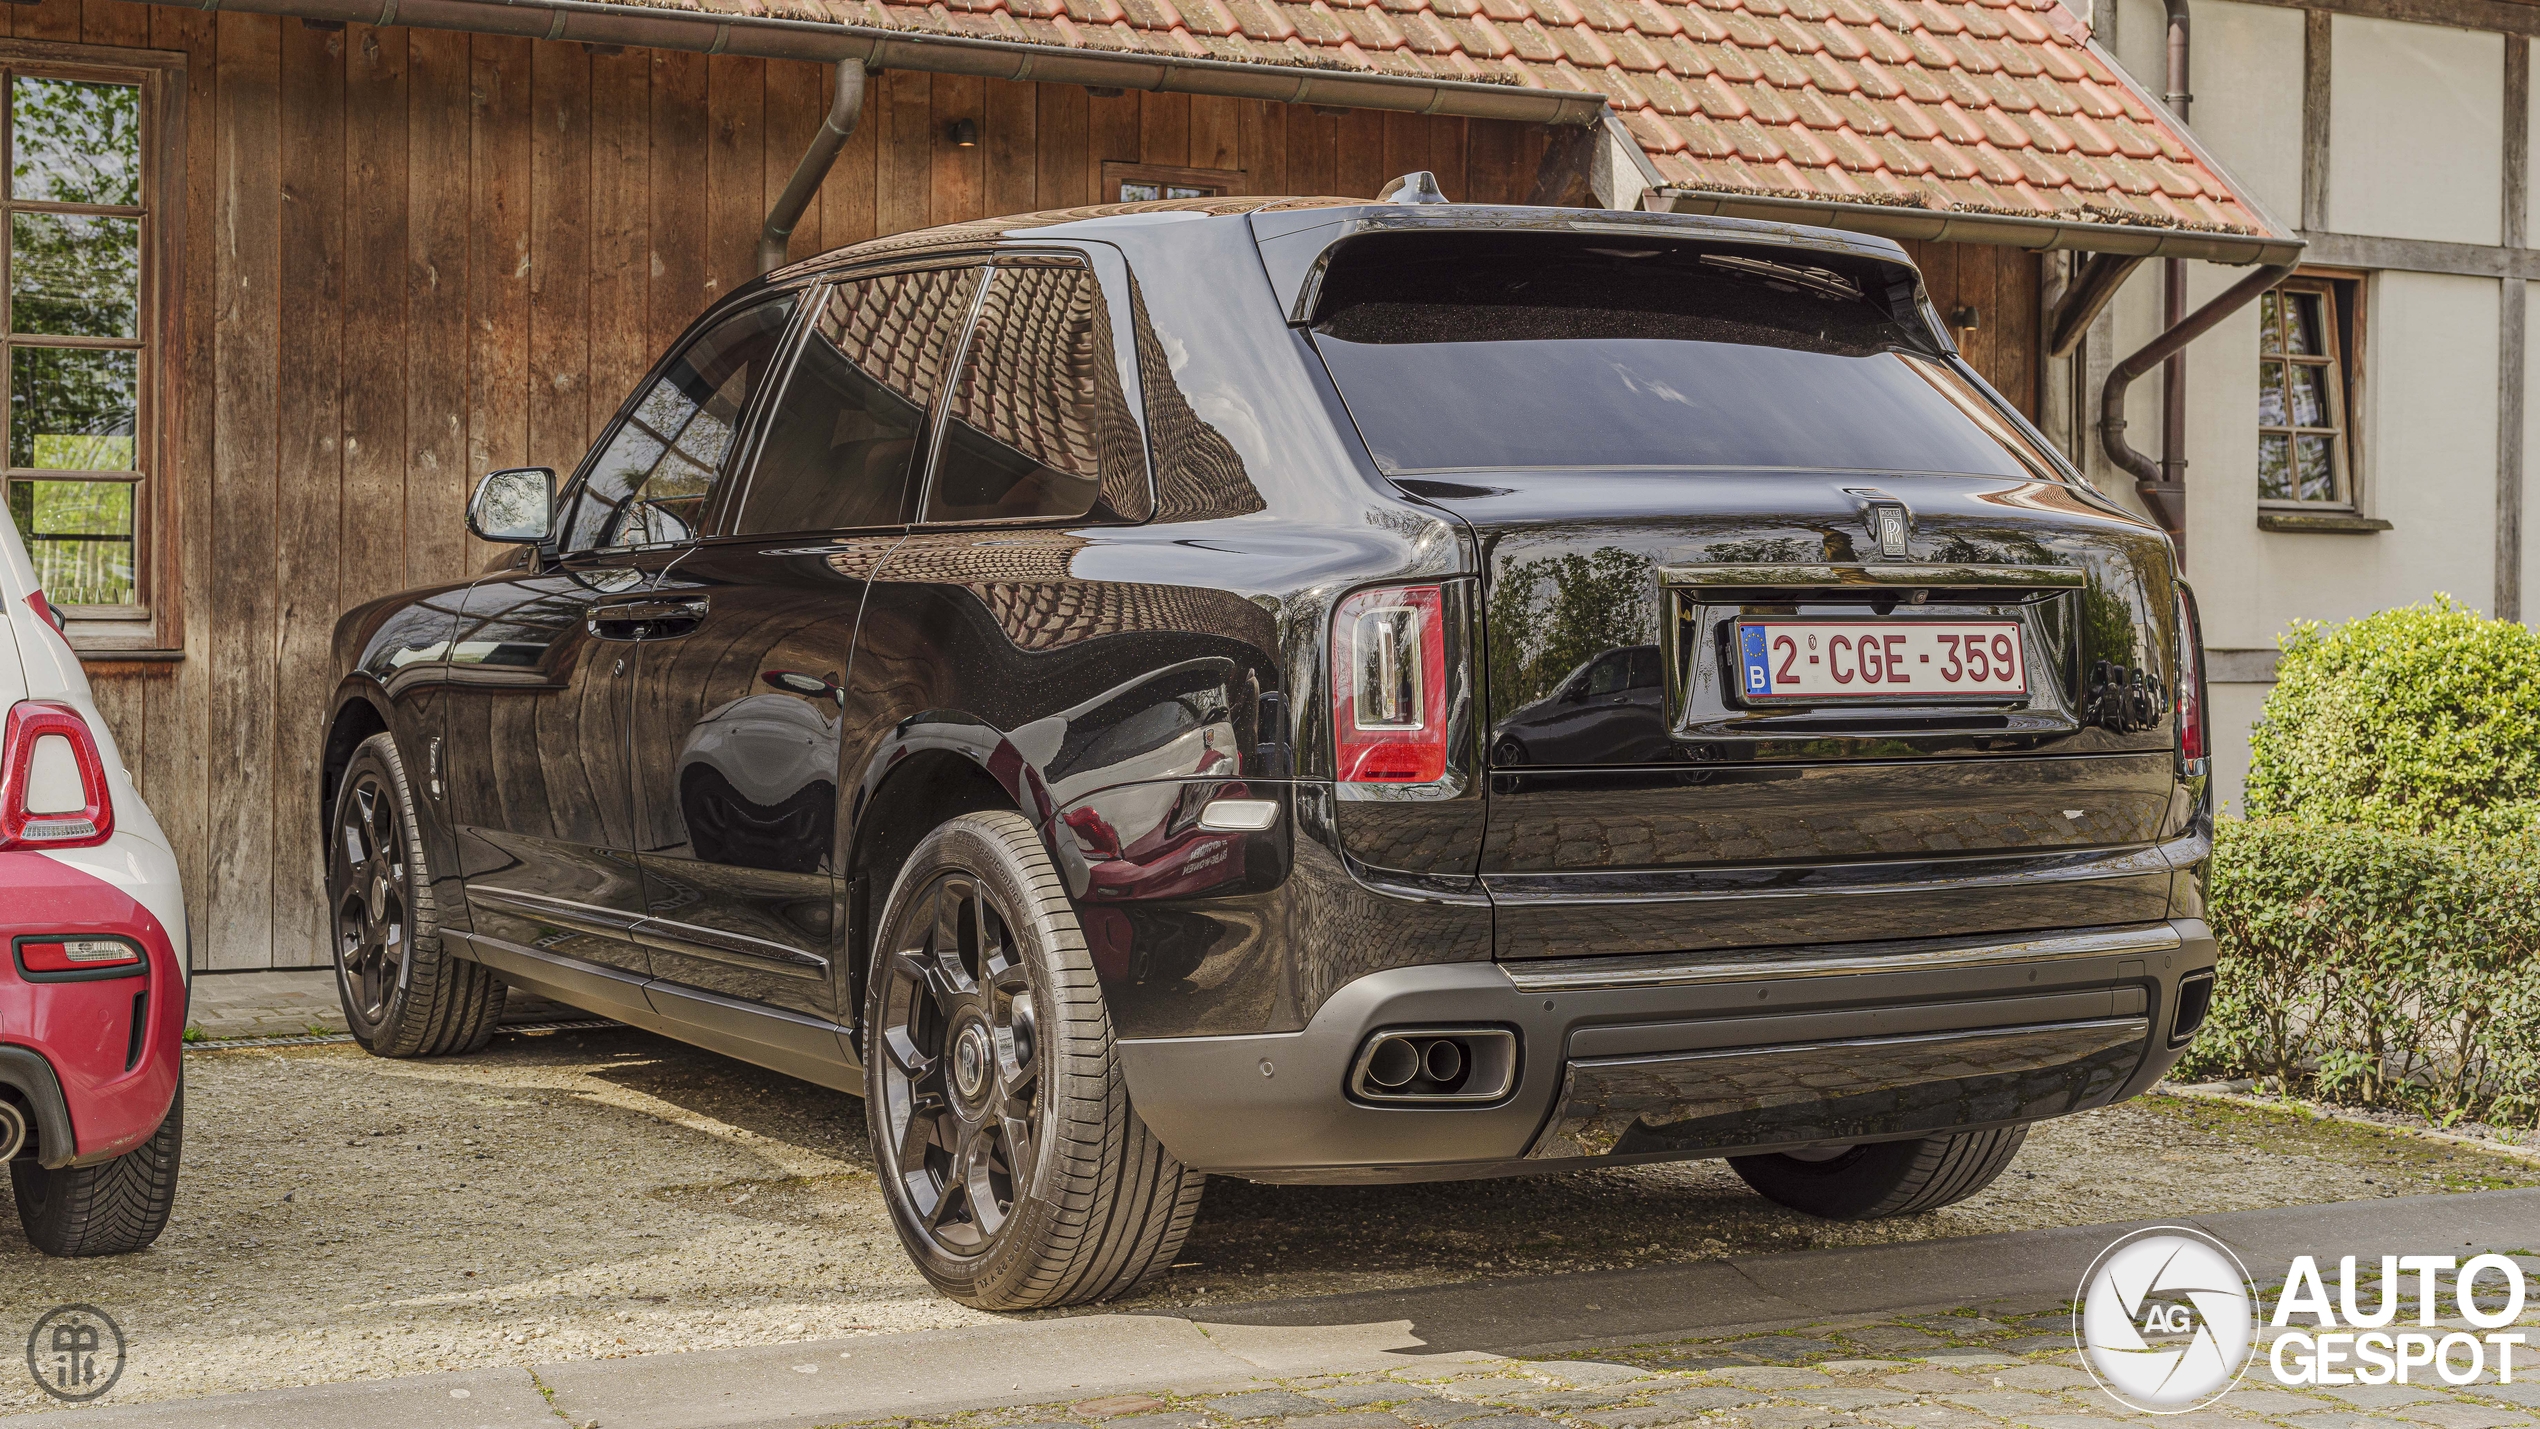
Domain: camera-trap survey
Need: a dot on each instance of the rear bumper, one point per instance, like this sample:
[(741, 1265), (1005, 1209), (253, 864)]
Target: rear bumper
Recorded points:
[(94, 1057), (1667, 1057)]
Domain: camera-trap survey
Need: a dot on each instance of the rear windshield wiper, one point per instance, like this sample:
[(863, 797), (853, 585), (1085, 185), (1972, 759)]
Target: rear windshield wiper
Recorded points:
[(1815, 280)]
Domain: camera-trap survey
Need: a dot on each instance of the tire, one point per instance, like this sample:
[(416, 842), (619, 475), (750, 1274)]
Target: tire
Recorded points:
[(1017, 1174), (405, 993), (1885, 1178), (112, 1208)]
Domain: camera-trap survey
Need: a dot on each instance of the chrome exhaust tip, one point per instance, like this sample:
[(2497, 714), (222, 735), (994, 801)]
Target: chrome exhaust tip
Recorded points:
[(1436, 1065), (12, 1130)]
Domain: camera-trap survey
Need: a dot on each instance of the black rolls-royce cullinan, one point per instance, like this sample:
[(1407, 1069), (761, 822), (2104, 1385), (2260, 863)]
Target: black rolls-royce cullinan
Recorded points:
[(1309, 690)]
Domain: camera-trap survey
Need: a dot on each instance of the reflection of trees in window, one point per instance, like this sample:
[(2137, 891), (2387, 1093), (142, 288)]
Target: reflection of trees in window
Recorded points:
[(77, 338), (1553, 614), (650, 484)]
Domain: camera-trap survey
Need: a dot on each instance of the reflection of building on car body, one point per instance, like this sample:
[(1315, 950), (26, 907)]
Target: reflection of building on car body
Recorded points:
[(1262, 687), (93, 980)]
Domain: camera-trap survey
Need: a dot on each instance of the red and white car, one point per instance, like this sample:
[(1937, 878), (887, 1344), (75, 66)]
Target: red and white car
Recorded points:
[(93, 977)]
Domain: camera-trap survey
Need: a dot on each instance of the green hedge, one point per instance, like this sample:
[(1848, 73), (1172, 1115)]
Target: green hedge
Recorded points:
[(2425, 718), (2377, 966)]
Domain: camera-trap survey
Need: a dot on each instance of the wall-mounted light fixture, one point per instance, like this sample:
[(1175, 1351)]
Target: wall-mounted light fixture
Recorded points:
[(1963, 317), (964, 133)]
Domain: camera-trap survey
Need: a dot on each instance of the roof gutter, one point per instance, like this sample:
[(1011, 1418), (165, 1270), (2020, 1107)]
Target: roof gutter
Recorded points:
[(597, 22), (1925, 225)]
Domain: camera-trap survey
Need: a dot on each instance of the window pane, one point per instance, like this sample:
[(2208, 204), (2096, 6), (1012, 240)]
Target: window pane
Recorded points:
[(2275, 470), (2310, 396), (2270, 394), (1024, 440), (651, 482), (1186, 191), (2270, 336), (1141, 193), (79, 277), (79, 534), (72, 410), (2319, 481), (843, 436), (74, 141), (2302, 325)]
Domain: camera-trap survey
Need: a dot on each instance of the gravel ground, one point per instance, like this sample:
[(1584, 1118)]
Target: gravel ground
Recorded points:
[(612, 1193)]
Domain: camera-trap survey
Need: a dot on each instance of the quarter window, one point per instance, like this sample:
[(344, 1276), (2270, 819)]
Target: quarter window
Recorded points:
[(80, 354), (1037, 427), (2304, 386), (852, 422), (650, 482)]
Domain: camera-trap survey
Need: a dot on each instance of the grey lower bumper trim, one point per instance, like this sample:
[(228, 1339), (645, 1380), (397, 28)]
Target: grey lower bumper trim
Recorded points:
[(1688, 969), (25, 1069), (1864, 1089)]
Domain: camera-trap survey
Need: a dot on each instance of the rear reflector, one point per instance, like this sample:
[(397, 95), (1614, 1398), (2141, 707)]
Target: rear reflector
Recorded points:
[(1389, 699), (70, 955), (52, 780)]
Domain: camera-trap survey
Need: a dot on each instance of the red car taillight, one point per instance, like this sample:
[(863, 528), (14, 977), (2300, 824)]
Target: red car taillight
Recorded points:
[(73, 955), (2192, 741), (1389, 695), (52, 780)]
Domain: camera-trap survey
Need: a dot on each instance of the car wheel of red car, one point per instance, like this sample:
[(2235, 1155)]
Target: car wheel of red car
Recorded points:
[(1885, 1178), (112, 1208), (405, 993), (1017, 1174)]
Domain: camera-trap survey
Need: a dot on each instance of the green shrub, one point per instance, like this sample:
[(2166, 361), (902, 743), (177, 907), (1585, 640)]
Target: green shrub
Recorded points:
[(2377, 966), (2425, 719)]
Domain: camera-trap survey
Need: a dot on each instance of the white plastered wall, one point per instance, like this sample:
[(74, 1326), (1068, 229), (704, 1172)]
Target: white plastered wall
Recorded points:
[(2427, 459), (2416, 131)]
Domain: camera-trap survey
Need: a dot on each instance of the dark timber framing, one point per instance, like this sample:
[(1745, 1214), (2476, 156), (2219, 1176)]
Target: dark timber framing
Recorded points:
[(2511, 330)]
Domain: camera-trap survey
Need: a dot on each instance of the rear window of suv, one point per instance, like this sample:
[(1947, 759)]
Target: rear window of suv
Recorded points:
[(1468, 350)]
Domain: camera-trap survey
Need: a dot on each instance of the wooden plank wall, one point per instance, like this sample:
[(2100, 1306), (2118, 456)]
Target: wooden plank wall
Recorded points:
[(2002, 285), (413, 256)]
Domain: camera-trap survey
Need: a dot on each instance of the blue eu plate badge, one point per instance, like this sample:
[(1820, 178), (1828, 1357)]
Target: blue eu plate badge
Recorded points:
[(1750, 647)]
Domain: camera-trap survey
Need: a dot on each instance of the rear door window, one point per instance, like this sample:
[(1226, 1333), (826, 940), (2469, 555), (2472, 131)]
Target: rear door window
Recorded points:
[(651, 481), (1037, 428), (847, 436), (1480, 350)]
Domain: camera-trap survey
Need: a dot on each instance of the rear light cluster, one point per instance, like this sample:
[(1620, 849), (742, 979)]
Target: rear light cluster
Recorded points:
[(52, 780), (76, 955), (2192, 740), (1389, 686)]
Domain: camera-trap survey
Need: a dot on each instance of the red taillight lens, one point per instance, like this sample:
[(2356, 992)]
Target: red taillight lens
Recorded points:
[(52, 780), (71, 955), (1389, 697), (2192, 741)]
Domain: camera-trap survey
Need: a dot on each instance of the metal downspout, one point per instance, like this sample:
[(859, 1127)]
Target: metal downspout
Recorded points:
[(846, 106), (2168, 499), (2174, 295)]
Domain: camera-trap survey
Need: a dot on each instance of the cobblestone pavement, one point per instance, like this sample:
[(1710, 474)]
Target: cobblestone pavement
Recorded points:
[(1992, 1365)]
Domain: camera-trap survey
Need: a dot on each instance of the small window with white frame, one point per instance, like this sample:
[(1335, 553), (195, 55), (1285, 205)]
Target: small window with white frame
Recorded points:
[(79, 350), (2306, 390)]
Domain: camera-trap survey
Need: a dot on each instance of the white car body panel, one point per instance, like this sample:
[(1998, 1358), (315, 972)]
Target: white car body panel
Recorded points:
[(36, 663)]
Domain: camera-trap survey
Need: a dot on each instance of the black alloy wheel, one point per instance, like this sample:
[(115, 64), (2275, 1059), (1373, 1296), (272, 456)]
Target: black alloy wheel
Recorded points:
[(1017, 1173), (405, 993), (960, 1067), (371, 907)]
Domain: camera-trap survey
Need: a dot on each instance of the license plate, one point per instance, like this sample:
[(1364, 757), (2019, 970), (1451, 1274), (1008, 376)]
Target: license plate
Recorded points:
[(1852, 659)]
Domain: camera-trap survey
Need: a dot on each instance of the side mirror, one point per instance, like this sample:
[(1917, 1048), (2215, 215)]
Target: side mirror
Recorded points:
[(515, 505)]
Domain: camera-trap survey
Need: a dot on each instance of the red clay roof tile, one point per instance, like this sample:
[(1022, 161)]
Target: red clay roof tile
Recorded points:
[(1991, 106)]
